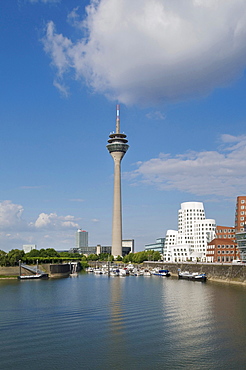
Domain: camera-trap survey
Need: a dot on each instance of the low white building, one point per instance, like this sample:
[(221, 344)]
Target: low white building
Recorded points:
[(29, 247), (193, 235)]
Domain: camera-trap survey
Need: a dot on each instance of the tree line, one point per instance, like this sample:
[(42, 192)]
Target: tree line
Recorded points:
[(50, 255)]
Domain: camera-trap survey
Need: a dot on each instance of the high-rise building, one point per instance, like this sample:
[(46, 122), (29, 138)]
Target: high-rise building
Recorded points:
[(193, 235), (240, 214), (81, 239), (117, 147)]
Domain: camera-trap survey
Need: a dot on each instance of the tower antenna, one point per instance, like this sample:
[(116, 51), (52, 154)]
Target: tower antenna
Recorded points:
[(117, 118)]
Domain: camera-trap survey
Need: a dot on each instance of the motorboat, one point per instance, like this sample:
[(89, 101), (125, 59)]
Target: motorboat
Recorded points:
[(34, 276), (195, 276), (161, 272), (98, 271), (147, 272)]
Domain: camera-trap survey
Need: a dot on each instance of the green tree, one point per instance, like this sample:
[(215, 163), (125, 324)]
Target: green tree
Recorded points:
[(14, 256), (3, 258), (93, 257), (33, 253), (156, 256)]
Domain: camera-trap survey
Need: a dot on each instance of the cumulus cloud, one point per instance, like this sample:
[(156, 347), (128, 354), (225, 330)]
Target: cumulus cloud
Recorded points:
[(52, 221), (47, 228), (152, 51), (220, 173), (11, 215)]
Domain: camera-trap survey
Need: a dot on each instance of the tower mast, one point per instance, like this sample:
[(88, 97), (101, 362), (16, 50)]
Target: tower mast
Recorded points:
[(117, 147)]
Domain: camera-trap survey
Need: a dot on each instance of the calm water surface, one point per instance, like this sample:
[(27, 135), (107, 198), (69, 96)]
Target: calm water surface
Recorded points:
[(96, 322)]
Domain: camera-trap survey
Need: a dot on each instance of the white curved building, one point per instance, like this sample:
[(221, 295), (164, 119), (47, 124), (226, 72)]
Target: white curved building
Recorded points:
[(193, 235)]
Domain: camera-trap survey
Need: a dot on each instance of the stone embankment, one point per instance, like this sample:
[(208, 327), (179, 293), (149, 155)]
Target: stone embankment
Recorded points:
[(229, 273), (54, 270)]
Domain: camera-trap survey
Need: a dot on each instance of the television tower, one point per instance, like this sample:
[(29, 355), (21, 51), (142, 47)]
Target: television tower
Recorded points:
[(117, 147)]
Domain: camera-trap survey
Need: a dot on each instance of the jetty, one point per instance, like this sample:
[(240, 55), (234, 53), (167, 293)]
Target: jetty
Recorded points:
[(36, 273)]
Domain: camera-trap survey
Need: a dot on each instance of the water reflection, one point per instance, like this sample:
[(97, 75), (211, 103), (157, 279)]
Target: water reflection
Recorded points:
[(96, 322)]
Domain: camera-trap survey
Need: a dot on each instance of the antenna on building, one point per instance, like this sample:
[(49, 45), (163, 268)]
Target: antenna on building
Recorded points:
[(117, 119)]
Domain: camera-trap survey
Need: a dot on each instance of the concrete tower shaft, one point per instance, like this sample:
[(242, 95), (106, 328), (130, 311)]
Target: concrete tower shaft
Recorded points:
[(117, 147)]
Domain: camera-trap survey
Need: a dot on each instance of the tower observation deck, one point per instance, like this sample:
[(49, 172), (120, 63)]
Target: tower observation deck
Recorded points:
[(117, 147)]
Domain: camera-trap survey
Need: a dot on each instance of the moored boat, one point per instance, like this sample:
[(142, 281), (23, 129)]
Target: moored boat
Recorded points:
[(161, 272), (195, 276), (36, 276)]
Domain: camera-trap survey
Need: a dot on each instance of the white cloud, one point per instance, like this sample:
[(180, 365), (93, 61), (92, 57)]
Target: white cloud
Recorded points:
[(11, 215), (220, 173), (153, 51), (157, 115), (49, 230), (52, 221)]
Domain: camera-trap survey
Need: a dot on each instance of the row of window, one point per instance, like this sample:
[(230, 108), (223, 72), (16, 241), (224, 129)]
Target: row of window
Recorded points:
[(225, 259), (226, 231), (222, 246), (227, 252)]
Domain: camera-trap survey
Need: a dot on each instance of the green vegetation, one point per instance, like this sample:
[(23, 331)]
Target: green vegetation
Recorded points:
[(50, 255), (140, 257)]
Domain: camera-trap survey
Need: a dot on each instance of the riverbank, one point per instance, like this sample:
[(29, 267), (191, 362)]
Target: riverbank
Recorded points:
[(53, 270), (226, 273)]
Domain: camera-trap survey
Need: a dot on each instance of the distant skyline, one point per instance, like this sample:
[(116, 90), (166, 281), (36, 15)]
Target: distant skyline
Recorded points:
[(177, 69)]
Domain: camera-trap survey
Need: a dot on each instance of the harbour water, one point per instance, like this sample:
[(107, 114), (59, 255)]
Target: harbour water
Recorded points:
[(97, 322)]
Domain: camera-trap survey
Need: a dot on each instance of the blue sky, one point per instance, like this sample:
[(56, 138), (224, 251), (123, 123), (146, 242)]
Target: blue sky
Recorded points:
[(177, 68)]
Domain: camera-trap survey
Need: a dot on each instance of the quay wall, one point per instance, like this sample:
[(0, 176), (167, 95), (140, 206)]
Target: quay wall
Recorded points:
[(9, 271), (228, 273), (54, 270)]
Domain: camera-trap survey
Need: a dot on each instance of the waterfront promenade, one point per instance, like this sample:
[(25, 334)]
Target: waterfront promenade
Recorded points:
[(226, 273)]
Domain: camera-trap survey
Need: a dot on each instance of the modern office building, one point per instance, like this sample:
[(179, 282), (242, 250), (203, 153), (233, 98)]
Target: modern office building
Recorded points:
[(81, 238), (117, 147), (241, 244), (189, 242), (240, 214), (127, 247), (158, 246), (29, 247)]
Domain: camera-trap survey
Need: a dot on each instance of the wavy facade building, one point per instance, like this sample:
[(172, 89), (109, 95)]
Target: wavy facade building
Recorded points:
[(190, 241)]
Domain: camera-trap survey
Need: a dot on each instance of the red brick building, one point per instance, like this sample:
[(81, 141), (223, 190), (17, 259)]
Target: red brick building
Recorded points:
[(222, 250), (224, 247), (240, 214)]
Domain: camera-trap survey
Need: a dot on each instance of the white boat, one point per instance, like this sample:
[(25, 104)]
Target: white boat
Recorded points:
[(161, 272), (195, 276), (98, 271), (124, 271), (146, 272), (36, 276), (137, 272), (115, 272)]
